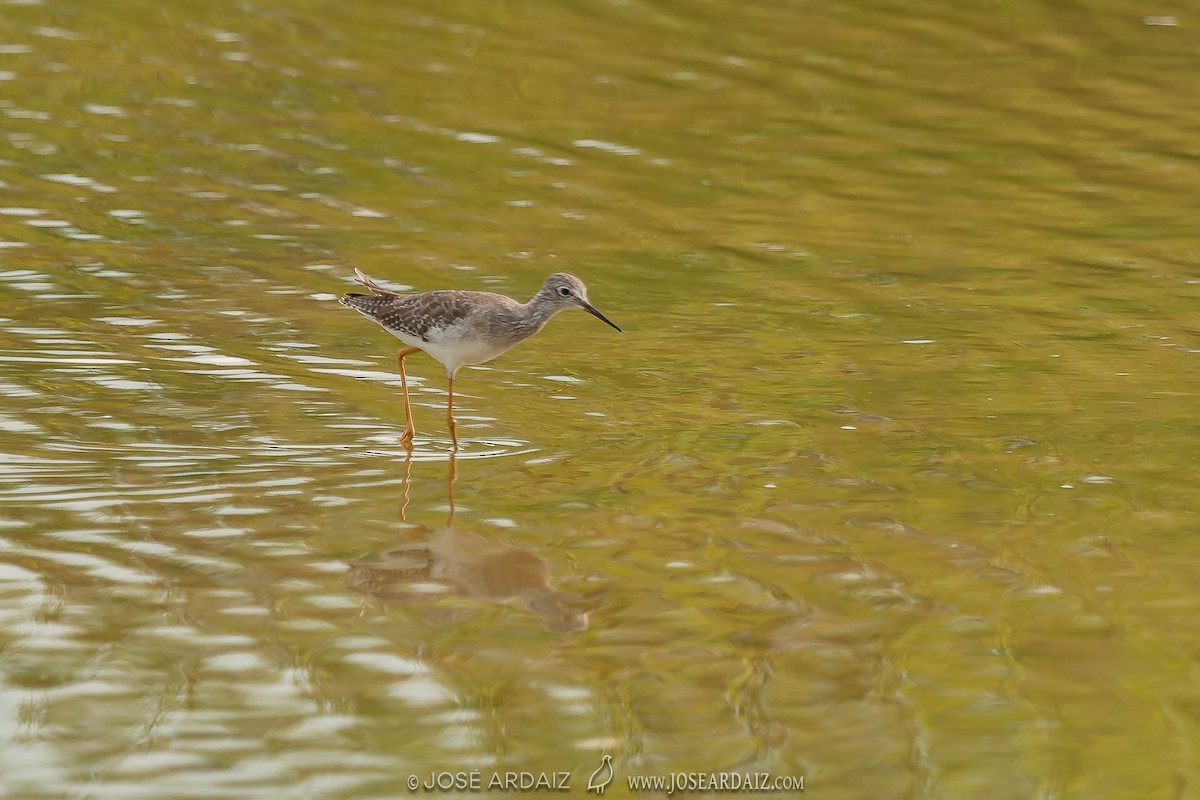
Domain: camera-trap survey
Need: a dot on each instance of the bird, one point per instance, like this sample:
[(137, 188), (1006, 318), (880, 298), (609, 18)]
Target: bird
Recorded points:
[(459, 327), (602, 777)]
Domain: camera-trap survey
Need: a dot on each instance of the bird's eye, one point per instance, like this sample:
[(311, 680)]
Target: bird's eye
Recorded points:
[(564, 291)]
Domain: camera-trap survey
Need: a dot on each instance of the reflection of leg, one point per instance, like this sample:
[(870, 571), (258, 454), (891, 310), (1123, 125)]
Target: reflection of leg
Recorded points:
[(406, 483), (451, 476), (406, 437), (450, 416)]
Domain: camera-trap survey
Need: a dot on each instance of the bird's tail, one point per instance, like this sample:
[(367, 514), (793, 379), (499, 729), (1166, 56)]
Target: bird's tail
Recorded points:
[(370, 284)]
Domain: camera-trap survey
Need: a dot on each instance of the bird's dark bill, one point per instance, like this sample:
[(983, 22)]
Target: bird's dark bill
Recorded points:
[(591, 309)]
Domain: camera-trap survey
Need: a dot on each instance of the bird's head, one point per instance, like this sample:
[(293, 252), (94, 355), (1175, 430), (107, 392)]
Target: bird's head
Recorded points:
[(563, 290)]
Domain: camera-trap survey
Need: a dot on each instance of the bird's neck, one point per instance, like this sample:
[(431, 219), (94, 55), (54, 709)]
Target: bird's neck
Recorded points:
[(535, 314)]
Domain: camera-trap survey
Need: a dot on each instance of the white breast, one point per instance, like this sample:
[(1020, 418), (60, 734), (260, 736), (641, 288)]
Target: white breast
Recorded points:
[(453, 346)]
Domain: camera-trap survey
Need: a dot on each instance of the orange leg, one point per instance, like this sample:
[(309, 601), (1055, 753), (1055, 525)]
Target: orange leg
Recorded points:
[(450, 416), (406, 437)]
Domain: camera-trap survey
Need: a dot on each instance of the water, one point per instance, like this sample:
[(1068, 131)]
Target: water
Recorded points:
[(889, 483)]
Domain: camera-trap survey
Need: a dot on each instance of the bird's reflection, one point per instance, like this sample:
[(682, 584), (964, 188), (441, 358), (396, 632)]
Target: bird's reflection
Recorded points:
[(458, 563)]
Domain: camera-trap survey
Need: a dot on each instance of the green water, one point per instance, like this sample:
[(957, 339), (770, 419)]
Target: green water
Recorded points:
[(889, 483)]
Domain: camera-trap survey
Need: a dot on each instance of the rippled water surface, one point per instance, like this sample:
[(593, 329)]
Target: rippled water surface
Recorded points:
[(890, 482)]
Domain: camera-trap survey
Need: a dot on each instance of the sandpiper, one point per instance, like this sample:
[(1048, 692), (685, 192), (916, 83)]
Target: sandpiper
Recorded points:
[(461, 327)]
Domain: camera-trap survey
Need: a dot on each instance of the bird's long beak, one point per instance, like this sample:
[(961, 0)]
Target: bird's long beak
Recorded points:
[(591, 309)]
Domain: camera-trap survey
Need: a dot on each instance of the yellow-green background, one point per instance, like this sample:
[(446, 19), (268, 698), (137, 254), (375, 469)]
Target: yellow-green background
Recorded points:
[(890, 482)]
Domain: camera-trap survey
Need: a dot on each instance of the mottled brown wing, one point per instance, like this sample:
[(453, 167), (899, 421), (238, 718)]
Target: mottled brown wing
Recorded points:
[(413, 314)]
